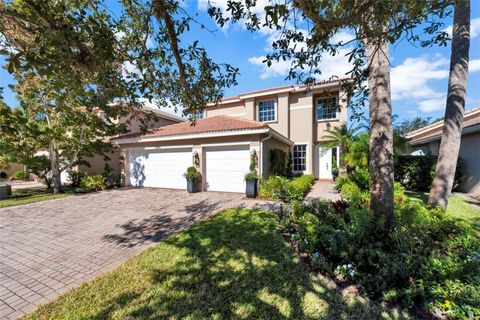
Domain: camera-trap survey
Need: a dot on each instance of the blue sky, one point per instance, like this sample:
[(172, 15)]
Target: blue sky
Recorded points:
[(419, 75)]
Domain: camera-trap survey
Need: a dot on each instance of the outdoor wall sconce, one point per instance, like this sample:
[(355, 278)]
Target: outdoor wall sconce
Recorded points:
[(196, 159)]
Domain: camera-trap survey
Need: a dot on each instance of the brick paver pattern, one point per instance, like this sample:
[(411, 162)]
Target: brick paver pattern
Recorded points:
[(50, 247)]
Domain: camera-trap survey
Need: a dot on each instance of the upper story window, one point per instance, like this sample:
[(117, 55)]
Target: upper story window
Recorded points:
[(267, 111), (199, 115), (327, 108)]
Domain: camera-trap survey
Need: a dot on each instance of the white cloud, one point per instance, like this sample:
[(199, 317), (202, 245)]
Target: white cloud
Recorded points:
[(474, 65), (431, 105), (330, 66), (410, 79), (474, 28)]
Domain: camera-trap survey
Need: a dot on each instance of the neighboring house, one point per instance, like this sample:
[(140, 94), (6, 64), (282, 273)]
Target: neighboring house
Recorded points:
[(426, 141), (7, 170), (225, 136), (97, 163)]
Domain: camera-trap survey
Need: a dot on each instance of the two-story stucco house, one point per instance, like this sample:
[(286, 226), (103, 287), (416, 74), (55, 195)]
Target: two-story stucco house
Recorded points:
[(292, 118)]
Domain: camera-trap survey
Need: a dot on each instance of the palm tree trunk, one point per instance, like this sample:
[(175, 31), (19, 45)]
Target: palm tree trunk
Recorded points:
[(453, 123), (381, 133)]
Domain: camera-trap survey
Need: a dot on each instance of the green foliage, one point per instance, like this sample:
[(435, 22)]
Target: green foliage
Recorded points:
[(428, 260), (400, 130), (277, 187), (278, 162), (107, 171), (192, 174), (416, 173), (41, 167), (75, 177), (93, 183), (252, 175), (273, 187), (298, 187), (20, 175)]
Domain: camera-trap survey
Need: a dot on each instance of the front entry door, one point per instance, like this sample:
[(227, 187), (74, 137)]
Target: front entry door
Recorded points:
[(325, 165)]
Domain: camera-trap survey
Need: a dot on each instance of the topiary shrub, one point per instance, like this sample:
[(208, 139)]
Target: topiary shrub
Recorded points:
[(192, 174), (93, 183)]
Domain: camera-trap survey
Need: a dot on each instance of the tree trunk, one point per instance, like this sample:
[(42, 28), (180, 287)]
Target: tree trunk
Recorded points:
[(381, 133), (453, 123), (56, 178)]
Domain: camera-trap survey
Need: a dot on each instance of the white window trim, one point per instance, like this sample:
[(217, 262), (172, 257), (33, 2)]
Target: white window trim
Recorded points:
[(307, 155), (336, 113), (275, 104), (204, 115)]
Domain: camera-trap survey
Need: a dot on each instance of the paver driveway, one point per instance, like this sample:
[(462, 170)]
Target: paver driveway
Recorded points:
[(49, 247)]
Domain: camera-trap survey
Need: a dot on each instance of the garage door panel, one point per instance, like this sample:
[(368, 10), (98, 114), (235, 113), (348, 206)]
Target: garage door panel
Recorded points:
[(226, 167), (161, 169)]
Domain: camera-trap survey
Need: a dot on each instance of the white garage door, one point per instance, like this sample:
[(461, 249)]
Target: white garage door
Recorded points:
[(159, 168), (226, 167)]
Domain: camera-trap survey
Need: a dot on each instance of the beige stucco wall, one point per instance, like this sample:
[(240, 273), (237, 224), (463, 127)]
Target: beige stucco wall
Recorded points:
[(11, 168), (97, 164), (470, 155), (240, 109), (296, 117), (135, 124)]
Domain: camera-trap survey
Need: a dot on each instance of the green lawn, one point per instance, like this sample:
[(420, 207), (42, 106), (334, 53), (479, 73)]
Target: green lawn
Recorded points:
[(457, 207), (31, 195), (235, 265)]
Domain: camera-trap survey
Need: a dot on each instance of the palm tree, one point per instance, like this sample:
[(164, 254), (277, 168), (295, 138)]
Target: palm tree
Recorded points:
[(457, 90), (342, 137)]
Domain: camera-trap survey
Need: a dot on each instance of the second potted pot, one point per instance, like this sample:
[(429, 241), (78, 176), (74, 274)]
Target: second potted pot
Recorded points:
[(194, 179), (251, 180)]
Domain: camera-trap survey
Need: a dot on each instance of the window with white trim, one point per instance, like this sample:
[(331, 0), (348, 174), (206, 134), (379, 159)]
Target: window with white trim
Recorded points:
[(299, 157), (327, 108), (267, 111), (199, 115)]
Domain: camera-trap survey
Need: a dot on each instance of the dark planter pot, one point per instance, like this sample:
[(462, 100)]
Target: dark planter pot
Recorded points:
[(110, 182), (335, 175), (252, 188), (193, 186)]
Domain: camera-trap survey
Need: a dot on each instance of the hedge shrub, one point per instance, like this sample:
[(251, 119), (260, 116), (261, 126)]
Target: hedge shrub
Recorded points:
[(416, 173), (277, 187), (93, 183), (20, 175)]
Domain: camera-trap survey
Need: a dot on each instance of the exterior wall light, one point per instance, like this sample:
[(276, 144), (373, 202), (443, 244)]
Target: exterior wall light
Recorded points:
[(196, 159)]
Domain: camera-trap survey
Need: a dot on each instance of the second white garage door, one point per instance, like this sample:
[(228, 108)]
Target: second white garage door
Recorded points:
[(160, 169), (226, 167)]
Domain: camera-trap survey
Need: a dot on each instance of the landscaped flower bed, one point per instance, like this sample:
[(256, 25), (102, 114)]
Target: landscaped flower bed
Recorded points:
[(428, 262)]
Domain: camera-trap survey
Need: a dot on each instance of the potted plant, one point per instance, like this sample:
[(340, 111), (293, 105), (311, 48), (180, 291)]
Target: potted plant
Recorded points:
[(334, 169), (251, 179), (193, 179)]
